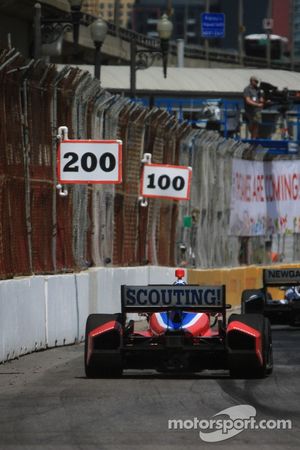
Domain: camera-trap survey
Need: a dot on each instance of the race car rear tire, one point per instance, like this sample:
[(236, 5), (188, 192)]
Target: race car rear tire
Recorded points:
[(96, 370), (246, 294), (242, 370)]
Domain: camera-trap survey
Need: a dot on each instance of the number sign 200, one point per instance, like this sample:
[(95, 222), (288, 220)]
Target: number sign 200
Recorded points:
[(89, 162)]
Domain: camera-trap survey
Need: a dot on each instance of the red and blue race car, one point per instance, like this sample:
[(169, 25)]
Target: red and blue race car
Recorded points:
[(186, 331)]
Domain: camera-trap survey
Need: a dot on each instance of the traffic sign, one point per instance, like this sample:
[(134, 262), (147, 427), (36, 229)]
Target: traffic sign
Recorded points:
[(89, 162), (166, 181), (268, 24), (212, 25)]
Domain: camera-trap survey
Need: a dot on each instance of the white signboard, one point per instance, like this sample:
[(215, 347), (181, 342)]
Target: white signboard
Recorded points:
[(165, 181), (91, 162), (265, 197), (267, 24)]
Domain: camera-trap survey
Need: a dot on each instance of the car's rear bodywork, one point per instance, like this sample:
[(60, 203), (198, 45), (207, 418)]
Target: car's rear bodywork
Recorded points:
[(178, 336)]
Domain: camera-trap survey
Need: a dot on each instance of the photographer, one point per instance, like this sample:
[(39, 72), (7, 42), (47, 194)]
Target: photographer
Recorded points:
[(254, 102)]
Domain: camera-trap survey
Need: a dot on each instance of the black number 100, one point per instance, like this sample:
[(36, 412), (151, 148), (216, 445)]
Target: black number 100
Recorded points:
[(164, 182)]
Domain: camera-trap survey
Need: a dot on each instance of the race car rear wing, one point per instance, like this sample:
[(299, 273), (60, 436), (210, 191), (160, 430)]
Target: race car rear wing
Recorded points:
[(152, 298), (281, 277)]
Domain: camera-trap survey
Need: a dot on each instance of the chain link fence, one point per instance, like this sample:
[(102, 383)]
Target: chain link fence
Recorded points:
[(42, 232), (207, 242)]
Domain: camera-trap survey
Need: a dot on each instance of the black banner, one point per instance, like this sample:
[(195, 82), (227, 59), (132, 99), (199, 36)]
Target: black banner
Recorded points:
[(160, 296), (279, 277)]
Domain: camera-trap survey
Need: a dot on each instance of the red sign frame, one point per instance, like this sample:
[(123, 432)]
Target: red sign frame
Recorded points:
[(167, 197), (89, 141)]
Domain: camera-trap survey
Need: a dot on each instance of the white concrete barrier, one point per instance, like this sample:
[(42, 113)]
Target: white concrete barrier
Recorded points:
[(82, 287), (105, 286), (39, 312), (22, 317), (162, 275), (61, 307)]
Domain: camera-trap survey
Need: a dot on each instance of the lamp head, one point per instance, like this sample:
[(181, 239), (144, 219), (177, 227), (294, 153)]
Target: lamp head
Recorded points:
[(98, 30), (164, 27)]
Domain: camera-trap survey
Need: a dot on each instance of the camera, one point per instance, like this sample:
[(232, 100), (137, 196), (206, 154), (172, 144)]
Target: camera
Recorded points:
[(284, 98)]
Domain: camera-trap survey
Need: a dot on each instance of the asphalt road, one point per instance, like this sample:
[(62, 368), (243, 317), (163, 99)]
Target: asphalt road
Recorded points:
[(47, 403)]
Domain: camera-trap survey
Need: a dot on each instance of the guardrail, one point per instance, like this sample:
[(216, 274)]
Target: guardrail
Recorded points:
[(124, 33), (219, 55)]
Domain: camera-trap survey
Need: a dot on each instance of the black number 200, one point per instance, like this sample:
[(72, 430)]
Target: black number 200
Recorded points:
[(89, 162)]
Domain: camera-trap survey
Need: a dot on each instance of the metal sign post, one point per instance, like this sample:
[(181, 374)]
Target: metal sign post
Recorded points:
[(268, 26)]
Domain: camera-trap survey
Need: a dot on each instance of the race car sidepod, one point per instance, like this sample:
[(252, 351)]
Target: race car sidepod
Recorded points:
[(249, 342), (102, 351)]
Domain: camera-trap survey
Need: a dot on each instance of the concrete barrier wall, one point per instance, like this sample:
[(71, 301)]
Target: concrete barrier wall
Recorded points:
[(40, 312), (22, 316), (62, 311), (105, 286), (82, 288)]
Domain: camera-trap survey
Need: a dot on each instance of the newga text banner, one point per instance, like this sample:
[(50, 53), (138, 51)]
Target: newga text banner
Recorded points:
[(265, 198)]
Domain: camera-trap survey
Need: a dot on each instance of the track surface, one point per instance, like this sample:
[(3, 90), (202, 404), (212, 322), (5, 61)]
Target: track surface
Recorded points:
[(47, 403)]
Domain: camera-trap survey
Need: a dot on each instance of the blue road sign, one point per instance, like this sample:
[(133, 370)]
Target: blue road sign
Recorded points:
[(212, 25)]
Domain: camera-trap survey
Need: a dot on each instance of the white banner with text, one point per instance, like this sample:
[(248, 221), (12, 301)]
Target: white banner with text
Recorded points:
[(265, 197)]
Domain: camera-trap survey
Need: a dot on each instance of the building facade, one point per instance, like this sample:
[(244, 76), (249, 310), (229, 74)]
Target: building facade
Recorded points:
[(111, 10), (142, 16), (295, 25), (253, 13), (185, 16), (286, 23)]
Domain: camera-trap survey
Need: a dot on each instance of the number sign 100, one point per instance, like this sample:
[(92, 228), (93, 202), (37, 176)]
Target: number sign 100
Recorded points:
[(164, 182)]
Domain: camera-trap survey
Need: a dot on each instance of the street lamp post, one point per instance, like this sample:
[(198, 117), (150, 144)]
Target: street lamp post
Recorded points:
[(142, 59), (241, 31), (98, 32), (292, 35), (269, 32), (48, 30), (37, 31), (164, 29), (76, 16), (206, 42)]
